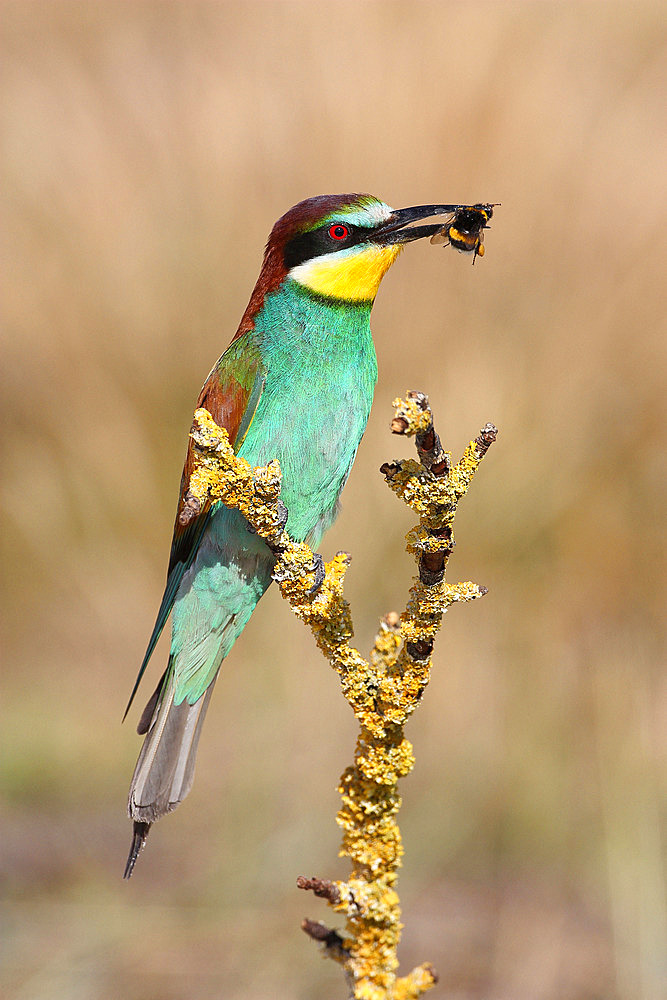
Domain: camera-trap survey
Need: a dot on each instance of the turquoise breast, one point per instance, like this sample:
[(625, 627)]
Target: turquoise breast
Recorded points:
[(321, 372)]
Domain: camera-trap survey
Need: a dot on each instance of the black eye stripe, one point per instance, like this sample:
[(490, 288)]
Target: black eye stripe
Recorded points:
[(317, 242)]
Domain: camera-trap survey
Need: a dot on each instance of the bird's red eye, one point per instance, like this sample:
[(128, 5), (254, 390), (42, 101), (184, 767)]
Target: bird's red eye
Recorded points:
[(338, 232)]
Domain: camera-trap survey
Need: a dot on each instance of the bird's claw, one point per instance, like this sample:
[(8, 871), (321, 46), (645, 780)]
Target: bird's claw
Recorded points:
[(282, 515), (320, 573)]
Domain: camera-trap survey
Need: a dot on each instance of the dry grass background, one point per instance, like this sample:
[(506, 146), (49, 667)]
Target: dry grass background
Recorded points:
[(147, 149)]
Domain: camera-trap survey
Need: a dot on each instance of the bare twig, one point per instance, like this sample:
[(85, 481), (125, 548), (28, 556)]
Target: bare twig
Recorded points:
[(332, 941), (321, 887)]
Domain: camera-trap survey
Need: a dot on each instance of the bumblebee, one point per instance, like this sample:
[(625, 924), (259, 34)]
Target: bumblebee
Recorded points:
[(464, 229)]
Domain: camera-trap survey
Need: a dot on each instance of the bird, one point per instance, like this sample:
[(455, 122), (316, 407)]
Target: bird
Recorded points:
[(295, 384)]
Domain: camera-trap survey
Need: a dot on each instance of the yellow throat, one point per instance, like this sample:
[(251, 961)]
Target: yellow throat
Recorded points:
[(354, 278)]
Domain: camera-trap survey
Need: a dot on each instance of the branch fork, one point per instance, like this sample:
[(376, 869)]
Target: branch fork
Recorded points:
[(382, 690)]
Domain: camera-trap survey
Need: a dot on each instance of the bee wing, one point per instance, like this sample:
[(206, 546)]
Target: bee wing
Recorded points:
[(442, 235)]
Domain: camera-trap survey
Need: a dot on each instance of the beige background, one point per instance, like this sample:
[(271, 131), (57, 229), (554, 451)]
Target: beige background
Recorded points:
[(147, 149)]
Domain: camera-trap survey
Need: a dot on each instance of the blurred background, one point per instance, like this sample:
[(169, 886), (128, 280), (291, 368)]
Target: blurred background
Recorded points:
[(147, 150)]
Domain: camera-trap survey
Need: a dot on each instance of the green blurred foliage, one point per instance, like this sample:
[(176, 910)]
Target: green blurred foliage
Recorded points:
[(147, 149)]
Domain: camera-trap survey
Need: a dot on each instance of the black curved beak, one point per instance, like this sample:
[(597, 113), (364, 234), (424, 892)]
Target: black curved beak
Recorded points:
[(394, 229)]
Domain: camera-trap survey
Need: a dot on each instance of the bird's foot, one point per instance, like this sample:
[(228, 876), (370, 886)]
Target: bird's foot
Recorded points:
[(283, 514), (138, 841), (320, 573)]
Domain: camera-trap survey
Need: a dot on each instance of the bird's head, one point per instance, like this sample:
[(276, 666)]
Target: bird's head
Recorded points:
[(338, 247)]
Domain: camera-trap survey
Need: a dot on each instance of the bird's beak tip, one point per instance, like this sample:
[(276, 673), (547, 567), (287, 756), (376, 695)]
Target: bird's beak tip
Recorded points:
[(396, 229)]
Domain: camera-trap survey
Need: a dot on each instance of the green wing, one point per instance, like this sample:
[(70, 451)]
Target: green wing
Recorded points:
[(231, 394)]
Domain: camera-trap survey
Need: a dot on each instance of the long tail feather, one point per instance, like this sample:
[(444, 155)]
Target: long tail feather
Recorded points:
[(166, 765), (149, 710)]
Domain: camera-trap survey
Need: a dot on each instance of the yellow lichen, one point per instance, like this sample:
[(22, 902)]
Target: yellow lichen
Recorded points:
[(409, 410), (383, 691)]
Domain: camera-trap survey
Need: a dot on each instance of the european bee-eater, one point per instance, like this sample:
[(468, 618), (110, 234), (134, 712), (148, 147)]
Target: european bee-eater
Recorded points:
[(295, 384)]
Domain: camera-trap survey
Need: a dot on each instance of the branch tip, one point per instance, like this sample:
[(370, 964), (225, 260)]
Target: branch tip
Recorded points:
[(486, 437), (428, 968), (390, 469), (412, 415), (419, 650), (399, 425), (322, 887), (330, 938), (191, 508), (419, 981)]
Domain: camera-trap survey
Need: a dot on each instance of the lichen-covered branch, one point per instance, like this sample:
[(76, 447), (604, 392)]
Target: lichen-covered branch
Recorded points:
[(383, 691)]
